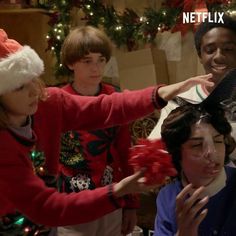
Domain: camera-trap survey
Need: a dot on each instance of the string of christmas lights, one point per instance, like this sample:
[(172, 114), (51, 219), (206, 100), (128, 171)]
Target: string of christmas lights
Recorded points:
[(16, 223), (126, 29)]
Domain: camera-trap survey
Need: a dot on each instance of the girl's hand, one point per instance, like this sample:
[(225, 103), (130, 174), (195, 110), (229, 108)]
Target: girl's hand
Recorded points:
[(189, 212), (171, 91), (135, 183)]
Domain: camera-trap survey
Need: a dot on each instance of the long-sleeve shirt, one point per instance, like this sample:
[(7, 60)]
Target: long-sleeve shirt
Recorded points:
[(22, 190)]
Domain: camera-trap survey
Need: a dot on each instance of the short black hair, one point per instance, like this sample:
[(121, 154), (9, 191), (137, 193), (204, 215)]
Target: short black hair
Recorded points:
[(204, 27), (176, 128)]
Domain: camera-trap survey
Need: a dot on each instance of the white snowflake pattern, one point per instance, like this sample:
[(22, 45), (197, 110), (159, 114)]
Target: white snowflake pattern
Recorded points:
[(107, 176)]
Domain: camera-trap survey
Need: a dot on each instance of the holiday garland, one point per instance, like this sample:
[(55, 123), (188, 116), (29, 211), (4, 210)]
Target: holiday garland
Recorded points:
[(126, 29)]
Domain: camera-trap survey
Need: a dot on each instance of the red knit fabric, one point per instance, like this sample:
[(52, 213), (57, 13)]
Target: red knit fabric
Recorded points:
[(114, 143), (21, 189)]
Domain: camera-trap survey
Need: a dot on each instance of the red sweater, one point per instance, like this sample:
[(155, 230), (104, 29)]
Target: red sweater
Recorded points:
[(22, 190), (91, 159)]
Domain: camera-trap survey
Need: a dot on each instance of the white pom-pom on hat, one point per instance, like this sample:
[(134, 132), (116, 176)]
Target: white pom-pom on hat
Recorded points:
[(18, 64)]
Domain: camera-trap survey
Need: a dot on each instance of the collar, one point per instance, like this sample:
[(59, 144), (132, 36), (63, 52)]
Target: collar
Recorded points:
[(24, 131), (75, 89)]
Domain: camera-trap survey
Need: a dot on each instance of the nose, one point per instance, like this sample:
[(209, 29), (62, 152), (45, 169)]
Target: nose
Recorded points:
[(218, 56), (210, 153), (96, 66), (33, 89)]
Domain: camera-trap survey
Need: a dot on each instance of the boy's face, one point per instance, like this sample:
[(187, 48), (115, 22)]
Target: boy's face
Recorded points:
[(89, 70), (203, 154), (218, 52)]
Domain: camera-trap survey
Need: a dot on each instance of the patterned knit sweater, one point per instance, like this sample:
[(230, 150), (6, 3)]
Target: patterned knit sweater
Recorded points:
[(21, 189), (91, 159)]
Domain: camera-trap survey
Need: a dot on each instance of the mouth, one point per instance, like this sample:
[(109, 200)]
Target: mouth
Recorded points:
[(213, 168), (220, 68)]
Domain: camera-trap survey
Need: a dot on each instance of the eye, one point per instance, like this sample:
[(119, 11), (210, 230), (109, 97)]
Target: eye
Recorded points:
[(20, 88), (228, 49), (209, 49), (102, 60), (218, 141), (86, 61), (196, 145)]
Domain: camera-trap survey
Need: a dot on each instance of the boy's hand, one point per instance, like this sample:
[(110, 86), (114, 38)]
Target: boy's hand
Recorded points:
[(171, 91), (188, 210)]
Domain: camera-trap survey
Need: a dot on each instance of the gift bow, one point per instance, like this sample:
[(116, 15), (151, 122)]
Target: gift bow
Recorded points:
[(152, 155)]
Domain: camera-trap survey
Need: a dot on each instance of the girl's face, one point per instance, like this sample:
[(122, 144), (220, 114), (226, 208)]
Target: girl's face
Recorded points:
[(89, 70), (203, 154), (21, 102)]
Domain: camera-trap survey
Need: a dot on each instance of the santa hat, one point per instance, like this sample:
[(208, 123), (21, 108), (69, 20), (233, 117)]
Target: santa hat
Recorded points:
[(18, 64)]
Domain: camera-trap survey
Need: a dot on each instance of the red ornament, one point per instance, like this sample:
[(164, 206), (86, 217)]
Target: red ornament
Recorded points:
[(152, 155)]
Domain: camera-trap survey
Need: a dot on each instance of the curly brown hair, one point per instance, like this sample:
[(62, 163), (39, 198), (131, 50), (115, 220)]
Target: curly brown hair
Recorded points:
[(176, 128)]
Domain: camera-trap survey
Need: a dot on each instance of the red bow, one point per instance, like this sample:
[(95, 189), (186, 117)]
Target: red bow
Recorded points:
[(152, 155)]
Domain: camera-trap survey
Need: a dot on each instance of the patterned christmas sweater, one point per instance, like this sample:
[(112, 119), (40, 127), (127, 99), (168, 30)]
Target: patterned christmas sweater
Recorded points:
[(91, 159), (22, 190)]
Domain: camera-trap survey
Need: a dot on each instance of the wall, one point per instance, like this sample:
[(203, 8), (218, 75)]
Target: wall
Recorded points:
[(186, 66), (29, 27)]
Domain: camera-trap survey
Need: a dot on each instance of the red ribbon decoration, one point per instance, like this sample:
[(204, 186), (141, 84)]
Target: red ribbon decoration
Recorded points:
[(152, 155)]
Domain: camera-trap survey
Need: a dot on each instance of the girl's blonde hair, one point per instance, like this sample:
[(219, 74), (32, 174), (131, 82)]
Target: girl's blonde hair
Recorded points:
[(4, 120), (82, 41)]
